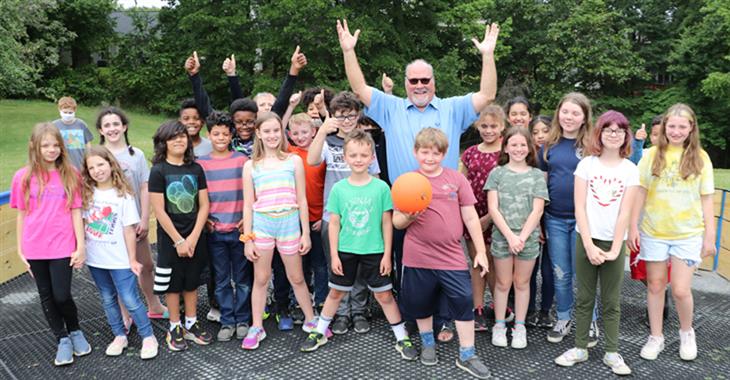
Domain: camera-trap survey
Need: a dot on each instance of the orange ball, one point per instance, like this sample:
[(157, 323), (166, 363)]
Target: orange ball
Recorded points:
[(411, 192)]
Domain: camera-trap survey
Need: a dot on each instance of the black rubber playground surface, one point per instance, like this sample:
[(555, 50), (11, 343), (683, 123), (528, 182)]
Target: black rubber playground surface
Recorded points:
[(27, 348)]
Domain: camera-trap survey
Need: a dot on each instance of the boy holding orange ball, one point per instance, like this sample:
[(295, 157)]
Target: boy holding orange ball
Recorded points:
[(433, 258), (360, 236)]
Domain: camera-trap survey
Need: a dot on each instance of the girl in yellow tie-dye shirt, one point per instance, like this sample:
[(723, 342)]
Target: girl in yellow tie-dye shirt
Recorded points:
[(678, 223)]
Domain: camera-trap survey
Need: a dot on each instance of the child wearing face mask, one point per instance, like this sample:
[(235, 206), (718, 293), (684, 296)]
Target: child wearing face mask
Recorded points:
[(75, 133)]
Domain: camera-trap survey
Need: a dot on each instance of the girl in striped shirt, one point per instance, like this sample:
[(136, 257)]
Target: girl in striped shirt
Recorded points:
[(275, 215)]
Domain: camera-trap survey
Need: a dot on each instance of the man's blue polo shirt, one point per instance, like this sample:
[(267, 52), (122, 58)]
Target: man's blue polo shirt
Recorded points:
[(401, 121)]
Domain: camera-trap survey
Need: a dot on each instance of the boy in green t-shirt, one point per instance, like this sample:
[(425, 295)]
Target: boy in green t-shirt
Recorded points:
[(360, 236)]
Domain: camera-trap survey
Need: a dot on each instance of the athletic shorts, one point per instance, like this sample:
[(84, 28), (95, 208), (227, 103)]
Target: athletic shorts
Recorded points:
[(638, 267), (280, 231), (421, 290), (688, 250), (367, 266), (175, 274)]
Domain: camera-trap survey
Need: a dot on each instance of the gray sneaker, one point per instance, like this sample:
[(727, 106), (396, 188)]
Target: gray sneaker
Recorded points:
[(241, 330), (360, 324), (81, 346), (225, 334), (559, 331), (65, 352), (428, 356), (475, 367), (340, 325)]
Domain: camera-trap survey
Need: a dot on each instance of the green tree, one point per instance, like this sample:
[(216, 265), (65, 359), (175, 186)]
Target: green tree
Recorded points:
[(91, 22)]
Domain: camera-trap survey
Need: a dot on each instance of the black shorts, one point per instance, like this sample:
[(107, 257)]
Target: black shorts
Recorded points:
[(366, 266), (175, 274), (421, 290)]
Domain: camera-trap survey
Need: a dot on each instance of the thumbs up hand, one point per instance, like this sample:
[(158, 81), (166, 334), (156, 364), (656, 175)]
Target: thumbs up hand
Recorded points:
[(192, 64), (298, 61), (229, 66), (641, 133), (387, 84)]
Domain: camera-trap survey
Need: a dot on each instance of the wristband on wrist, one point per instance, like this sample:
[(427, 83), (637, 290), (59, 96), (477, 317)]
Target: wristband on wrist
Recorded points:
[(247, 237)]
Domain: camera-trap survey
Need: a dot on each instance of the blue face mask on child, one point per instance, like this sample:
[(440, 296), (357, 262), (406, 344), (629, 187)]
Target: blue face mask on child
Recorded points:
[(68, 116)]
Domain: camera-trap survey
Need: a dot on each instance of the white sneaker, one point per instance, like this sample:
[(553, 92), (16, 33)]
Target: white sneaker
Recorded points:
[(519, 337), (687, 345), (214, 315), (616, 363), (499, 335), (593, 333), (654, 345), (572, 356), (117, 346)]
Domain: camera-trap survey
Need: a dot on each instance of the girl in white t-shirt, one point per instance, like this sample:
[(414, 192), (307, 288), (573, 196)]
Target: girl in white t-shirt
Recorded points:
[(606, 183), (110, 216)]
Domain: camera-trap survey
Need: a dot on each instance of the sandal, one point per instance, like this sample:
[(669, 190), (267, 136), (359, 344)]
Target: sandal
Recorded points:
[(446, 334), (163, 315)]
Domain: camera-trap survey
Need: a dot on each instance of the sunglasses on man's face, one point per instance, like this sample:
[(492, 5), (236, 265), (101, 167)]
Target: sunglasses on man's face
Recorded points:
[(414, 81)]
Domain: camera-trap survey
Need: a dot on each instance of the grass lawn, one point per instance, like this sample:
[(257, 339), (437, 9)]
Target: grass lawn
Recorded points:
[(19, 117)]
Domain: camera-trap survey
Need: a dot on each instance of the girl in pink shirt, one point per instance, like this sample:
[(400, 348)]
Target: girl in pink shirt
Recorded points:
[(50, 234)]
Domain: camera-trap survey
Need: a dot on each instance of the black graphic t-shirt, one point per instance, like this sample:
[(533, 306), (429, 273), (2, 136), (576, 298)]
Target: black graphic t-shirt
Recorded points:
[(180, 185)]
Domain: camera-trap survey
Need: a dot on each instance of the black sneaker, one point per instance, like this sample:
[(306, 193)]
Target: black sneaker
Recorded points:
[(360, 324), (340, 325), (475, 367), (559, 331), (313, 341), (175, 339), (196, 334), (533, 318), (297, 315), (546, 320), (406, 349)]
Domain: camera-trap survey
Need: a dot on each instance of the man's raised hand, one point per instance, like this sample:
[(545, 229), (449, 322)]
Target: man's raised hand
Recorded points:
[(347, 40), (487, 45)]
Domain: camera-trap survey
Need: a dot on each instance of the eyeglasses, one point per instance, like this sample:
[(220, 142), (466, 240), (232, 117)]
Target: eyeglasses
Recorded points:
[(414, 81), (618, 132), (247, 123), (346, 117)]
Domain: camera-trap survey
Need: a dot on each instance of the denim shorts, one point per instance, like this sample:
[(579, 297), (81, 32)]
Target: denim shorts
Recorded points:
[(688, 250)]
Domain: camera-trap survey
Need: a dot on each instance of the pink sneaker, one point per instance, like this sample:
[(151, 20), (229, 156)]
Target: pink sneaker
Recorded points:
[(252, 339)]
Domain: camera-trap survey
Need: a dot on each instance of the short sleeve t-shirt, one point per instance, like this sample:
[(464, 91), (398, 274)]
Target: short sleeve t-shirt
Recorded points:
[(478, 166), (606, 187), (106, 218), (361, 211), (433, 240), (562, 159), (75, 136), (314, 177), (180, 186), (333, 155), (48, 231), (516, 193), (136, 170), (223, 175), (673, 208)]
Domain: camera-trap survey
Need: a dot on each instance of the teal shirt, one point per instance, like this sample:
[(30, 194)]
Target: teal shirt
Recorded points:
[(361, 211)]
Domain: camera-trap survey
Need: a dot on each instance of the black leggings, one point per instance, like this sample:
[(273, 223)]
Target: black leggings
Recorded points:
[(53, 278)]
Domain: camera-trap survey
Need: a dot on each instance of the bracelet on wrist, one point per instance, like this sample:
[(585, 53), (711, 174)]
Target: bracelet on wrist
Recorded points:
[(177, 243)]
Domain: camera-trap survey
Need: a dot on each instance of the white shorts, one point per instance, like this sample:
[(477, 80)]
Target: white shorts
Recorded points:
[(688, 250)]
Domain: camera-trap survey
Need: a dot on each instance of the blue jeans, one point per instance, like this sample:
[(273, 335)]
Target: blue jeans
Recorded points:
[(315, 264), (121, 282), (561, 237), (229, 263)]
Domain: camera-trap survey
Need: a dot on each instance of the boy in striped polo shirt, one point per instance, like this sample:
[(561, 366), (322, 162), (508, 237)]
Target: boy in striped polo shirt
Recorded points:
[(224, 170)]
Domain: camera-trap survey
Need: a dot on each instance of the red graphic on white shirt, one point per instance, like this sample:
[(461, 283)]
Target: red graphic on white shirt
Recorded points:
[(606, 190)]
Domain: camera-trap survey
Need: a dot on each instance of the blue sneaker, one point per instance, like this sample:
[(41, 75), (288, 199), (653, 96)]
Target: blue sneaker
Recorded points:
[(80, 346), (285, 322), (65, 353)]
